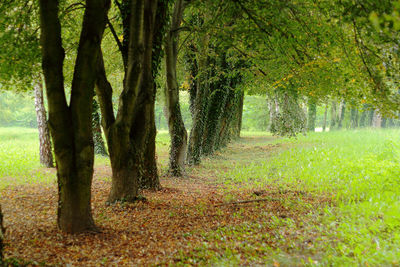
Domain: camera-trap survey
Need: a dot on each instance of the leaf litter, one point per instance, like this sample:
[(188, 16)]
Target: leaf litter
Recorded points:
[(165, 228)]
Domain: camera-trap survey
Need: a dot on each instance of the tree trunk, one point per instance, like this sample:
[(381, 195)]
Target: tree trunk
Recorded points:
[(2, 231), (176, 127), (333, 116), (239, 116), (325, 118), (71, 126), (194, 150), (131, 134), (354, 117), (312, 114), (342, 113), (99, 146), (45, 151), (370, 118)]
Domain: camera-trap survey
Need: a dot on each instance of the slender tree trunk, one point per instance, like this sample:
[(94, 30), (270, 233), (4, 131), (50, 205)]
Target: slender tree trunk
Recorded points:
[(177, 130), (45, 151), (239, 115), (370, 118), (354, 117), (333, 116), (2, 230), (71, 125), (99, 146), (325, 118), (342, 113), (312, 114)]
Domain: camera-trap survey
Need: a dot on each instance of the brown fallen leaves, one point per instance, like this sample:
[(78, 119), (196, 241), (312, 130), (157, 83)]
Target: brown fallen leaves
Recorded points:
[(144, 233), (156, 231)]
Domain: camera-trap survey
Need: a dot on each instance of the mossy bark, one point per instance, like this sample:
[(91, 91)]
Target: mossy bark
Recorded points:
[(176, 127), (131, 133)]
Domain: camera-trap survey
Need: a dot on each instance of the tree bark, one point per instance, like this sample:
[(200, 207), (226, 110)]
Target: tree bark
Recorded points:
[(333, 116), (45, 151), (99, 146), (131, 134), (325, 118), (312, 114), (194, 150), (354, 118), (71, 126), (342, 113), (177, 130)]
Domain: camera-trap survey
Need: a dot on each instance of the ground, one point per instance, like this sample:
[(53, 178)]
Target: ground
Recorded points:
[(256, 202)]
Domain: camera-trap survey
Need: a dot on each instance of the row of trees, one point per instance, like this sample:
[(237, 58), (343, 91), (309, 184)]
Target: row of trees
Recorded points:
[(285, 49)]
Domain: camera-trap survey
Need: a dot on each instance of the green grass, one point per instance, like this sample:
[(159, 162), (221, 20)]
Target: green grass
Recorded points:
[(19, 157), (360, 171), (19, 154)]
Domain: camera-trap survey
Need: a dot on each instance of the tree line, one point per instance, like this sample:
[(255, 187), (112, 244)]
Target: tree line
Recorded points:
[(127, 50)]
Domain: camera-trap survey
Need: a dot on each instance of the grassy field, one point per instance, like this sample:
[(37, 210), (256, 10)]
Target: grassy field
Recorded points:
[(338, 195)]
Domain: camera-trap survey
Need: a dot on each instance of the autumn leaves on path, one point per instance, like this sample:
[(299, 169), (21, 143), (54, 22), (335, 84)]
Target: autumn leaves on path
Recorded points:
[(178, 224)]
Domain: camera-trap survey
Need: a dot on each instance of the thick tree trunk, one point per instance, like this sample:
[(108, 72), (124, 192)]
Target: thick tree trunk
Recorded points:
[(2, 230), (99, 146), (45, 151), (312, 114), (71, 126), (177, 130), (131, 134)]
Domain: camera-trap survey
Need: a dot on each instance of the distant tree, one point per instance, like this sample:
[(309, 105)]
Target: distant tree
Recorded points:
[(45, 148), (312, 114), (176, 126), (20, 62)]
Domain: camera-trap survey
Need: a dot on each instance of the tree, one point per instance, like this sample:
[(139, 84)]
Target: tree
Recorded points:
[(45, 148), (20, 43), (131, 133), (312, 114), (71, 124), (99, 146), (177, 130)]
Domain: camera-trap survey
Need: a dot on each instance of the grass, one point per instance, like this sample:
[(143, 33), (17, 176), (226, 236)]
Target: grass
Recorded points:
[(357, 172), (19, 157)]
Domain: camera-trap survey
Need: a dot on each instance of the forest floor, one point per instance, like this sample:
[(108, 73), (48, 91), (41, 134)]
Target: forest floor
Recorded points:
[(260, 201)]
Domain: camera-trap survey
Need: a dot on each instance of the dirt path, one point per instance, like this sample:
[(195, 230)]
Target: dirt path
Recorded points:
[(164, 229)]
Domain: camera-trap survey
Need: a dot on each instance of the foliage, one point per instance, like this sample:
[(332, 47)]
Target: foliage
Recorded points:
[(17, 109)]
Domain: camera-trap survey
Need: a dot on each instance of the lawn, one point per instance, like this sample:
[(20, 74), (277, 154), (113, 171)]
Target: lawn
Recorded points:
[(322, 199)]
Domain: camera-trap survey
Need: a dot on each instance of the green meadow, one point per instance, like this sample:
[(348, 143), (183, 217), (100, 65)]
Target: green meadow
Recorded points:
[(357, 172)]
